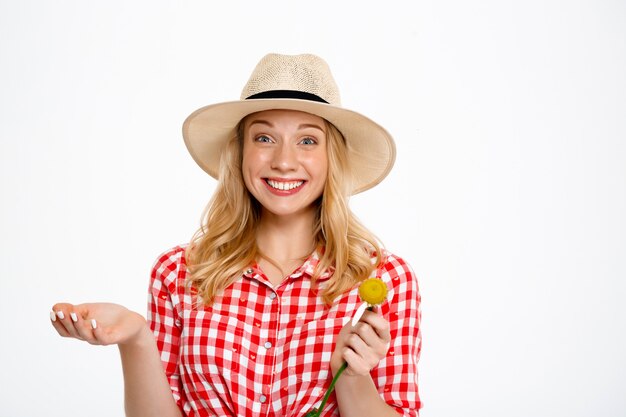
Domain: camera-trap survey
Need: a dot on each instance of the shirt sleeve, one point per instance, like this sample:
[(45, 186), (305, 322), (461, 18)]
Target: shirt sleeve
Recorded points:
[(163, 317), (396, 374)]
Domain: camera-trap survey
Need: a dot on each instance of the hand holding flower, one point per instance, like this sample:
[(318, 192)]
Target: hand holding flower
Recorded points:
[(361, 346), (363, 341)]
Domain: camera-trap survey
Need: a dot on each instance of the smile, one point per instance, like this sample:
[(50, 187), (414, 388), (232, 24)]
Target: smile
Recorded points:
[(284, 185)]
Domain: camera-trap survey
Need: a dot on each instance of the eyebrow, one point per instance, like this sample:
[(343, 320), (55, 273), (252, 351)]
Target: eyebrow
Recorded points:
[(300, 127), (306, 125), (263, 122)]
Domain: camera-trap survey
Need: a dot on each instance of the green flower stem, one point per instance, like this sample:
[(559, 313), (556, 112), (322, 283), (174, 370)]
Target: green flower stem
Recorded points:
[(318, 412), (331, 388)]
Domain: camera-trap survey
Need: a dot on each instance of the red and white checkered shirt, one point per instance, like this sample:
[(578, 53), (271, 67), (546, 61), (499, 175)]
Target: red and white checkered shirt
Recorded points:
[(261, 350)]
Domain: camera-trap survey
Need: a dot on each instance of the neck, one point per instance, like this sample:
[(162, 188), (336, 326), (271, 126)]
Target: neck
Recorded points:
[(286, 238)]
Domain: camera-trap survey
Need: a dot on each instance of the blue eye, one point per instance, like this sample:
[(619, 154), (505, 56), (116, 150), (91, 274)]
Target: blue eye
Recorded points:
[(308, 141), (263, 138)]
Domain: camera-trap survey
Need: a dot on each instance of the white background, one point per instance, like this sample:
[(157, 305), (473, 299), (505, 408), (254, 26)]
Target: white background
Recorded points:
[(508, 195)]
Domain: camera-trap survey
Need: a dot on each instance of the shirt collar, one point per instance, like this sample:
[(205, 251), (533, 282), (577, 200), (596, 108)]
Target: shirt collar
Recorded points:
[(306, 269), (309, 265)]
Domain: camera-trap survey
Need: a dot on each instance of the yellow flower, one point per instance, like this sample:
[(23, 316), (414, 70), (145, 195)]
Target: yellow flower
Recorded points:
[(373, 291)]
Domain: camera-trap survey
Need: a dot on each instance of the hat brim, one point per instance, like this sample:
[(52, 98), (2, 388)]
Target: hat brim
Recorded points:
[(371, 149)]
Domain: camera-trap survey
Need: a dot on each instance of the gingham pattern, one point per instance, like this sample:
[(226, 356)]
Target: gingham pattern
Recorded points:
[(264, 351)]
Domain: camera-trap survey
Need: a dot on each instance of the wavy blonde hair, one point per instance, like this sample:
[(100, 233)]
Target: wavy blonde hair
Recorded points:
[(225, 244)]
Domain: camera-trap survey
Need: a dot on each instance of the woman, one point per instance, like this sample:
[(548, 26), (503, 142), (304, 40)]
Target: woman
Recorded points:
[(253, 316)]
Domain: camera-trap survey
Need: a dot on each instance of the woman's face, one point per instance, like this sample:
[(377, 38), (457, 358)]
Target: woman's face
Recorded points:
[(284, 162)]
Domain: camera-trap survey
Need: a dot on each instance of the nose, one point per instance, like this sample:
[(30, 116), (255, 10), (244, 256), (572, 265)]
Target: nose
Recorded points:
[(284, 158)]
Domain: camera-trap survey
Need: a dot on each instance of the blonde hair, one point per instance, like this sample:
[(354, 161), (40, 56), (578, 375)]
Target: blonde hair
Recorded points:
[(225, 244)]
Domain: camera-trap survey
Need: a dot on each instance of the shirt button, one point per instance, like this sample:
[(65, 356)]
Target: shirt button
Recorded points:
[(268, 345), (248, 271), (272, 295), (262, 398)]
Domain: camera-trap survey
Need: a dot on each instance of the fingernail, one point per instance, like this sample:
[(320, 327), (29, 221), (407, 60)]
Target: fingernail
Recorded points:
[(74, 318), (93, 324), (53, 316), (60, 315)]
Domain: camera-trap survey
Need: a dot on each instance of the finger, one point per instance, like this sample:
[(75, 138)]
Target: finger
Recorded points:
[(373, 340), (378, 323), (85, 329), (356, 364), (101, 335), (356, 343), (367, 334), (84, 311), (58, 326), (363, 349), (66, 317)]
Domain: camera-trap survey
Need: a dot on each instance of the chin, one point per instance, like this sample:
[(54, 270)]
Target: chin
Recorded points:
[(290, 211)]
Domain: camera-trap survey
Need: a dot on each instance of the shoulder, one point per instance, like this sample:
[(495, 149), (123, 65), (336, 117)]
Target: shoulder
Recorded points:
[(399, 276), (394, 265), (169, 268)]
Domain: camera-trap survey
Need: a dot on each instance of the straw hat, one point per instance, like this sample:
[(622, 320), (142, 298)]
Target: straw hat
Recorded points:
[(292, 82)]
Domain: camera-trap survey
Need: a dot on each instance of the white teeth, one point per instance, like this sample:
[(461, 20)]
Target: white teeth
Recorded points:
[(284, 186)]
